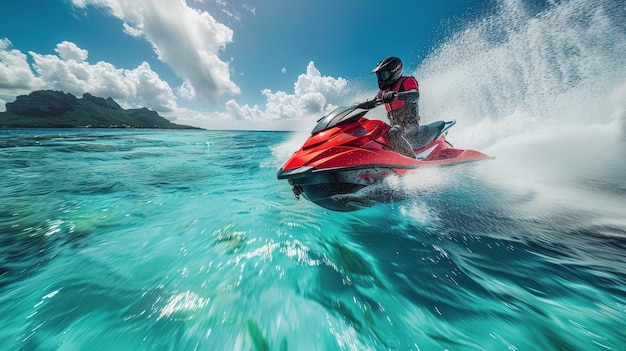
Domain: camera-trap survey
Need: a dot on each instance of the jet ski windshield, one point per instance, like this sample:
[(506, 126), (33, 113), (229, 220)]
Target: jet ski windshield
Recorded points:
[(339, 115)]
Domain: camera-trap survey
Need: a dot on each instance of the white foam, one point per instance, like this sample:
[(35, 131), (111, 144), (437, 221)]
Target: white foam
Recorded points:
[(544, 92)]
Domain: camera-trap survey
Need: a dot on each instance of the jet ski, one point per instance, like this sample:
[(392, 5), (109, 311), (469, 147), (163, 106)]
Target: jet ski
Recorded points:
[(343, 165)]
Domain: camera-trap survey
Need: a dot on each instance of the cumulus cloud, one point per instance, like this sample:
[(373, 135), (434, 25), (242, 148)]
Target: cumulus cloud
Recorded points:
[(69, 51), (186, 39), (70, 71), (313, 94), (140, 86), (15, 73)]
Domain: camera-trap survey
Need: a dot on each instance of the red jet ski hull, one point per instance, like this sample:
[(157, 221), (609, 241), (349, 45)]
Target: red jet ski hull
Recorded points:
[(337, 164)]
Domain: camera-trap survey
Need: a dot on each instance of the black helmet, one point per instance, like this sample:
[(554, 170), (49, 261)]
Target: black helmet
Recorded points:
[(387, 72)]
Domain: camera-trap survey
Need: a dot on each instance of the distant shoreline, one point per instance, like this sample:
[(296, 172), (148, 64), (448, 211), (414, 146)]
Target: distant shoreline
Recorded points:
[(152, 129), (60, 110), (98, 128)]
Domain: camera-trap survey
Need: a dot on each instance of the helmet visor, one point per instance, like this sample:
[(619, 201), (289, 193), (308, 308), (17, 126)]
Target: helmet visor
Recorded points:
[(383, 75)]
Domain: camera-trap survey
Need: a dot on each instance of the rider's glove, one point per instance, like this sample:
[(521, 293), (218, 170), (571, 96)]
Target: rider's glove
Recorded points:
[(390, 96)]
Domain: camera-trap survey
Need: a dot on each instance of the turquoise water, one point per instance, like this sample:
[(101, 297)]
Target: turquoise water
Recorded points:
[(185, 240)]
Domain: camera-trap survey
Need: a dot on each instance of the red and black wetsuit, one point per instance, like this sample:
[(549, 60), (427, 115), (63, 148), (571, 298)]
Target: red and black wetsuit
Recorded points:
[(403, 115)]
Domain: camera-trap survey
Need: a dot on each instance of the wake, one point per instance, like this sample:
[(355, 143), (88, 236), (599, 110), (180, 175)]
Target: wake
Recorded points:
[(543, 90)]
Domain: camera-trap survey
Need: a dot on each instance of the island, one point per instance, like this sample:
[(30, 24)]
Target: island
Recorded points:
[(56, 109)]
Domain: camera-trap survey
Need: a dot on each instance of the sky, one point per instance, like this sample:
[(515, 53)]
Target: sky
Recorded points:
[(218, 64)]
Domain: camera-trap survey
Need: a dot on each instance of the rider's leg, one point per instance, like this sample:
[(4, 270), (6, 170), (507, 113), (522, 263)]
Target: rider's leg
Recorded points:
[(411, 132), (398, 143)]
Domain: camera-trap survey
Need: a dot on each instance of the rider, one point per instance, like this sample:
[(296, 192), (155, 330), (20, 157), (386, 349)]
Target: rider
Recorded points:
[(400, 95)]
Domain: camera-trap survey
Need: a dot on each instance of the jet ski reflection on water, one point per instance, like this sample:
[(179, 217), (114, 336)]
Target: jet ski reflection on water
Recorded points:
[(343, 165)]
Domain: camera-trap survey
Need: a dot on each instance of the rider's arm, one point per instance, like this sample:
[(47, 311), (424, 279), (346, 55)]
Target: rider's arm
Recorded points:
[(411, 91), (410, 96)]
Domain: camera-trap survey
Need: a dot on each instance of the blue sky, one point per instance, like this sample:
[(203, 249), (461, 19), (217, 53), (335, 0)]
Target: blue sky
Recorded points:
[(217, 63)]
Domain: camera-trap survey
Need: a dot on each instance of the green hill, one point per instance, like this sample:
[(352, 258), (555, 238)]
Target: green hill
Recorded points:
[(56, 109)]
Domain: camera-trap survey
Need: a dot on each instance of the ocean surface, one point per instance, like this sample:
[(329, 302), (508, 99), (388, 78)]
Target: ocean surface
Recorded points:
[(185, 240)]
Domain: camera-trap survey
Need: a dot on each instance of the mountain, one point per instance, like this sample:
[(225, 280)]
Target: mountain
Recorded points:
[(56, 109)]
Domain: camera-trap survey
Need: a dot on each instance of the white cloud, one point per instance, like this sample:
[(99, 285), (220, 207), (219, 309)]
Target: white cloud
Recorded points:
[(283, 70), (16, 77), (186, 39), (69, 71), (136, 87), (150, 90), (313, 95), (69, 51)]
